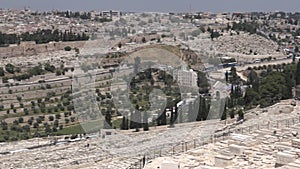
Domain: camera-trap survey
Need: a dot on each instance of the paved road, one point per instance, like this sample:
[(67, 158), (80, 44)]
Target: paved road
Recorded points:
[(239, 69), (273, 62)]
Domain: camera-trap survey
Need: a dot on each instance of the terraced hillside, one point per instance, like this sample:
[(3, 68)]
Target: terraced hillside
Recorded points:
[(38, 101)]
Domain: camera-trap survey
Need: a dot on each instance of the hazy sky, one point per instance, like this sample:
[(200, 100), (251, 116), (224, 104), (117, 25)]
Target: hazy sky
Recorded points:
[(157, 5)]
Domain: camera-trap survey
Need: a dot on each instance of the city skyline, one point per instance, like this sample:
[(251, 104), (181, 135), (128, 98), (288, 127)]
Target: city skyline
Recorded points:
[(156, 5)]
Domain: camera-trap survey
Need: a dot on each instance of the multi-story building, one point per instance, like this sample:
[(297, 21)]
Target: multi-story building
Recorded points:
[(185, 77)]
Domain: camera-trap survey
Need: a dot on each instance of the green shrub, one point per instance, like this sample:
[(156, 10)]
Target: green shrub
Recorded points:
[(68, 48)]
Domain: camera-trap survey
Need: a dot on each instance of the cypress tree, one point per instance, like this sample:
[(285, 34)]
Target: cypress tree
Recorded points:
[(139, 120), (241, 114), (158, 121), (132, 120), (200, 109), (164, 118), (224, 115), (124, 124), (145, 124), (175, 113), (298, 74), (232, 114), (107, 122), (172, 119), (191, 112)]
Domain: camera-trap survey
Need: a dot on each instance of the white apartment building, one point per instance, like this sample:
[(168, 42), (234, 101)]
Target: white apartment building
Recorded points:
[(185, 77)]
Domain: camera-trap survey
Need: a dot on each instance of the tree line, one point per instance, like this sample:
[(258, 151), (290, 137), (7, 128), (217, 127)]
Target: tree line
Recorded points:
[(83, 15), (42, 36), (250, 27)]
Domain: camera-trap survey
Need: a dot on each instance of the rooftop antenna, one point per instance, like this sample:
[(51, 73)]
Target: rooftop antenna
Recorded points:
[(190, 7)]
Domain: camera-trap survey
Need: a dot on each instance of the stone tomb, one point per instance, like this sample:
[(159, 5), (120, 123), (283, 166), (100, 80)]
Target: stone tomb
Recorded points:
[(223, 161)]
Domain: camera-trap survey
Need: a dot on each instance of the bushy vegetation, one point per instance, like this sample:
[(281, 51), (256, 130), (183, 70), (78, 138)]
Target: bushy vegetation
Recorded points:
[(34, 71), (250, 27), (270, 85), (45, 119), (266, 85)]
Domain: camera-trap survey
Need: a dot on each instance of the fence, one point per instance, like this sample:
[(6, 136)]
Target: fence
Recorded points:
[(182, 147)]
